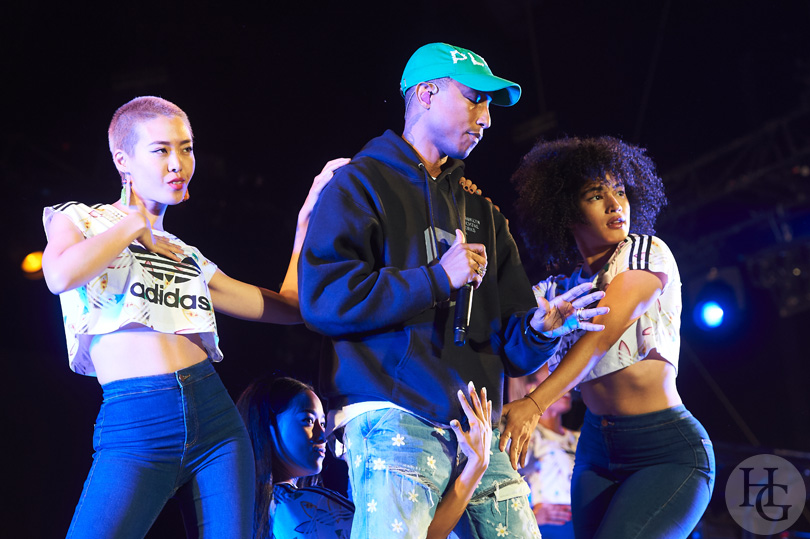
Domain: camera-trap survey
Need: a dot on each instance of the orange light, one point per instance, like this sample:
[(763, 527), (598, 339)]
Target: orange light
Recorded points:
[(32, 263)]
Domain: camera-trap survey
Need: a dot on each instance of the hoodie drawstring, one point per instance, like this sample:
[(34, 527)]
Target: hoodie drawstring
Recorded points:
[(430, 211)]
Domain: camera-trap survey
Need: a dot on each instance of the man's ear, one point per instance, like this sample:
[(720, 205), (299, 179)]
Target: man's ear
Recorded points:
[(424, 93)]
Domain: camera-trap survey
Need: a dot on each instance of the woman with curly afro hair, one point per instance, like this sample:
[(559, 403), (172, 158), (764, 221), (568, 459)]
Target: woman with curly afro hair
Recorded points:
[(644, 465)]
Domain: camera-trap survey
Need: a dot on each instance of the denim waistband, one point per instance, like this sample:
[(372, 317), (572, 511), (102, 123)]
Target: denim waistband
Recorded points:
[(157, 382), (638, 421)]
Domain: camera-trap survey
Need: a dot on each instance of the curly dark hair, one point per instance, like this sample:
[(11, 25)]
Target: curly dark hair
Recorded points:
[(548, 182)]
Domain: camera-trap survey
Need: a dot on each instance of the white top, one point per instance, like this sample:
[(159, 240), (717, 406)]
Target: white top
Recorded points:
[(550, 464), (137, 287), (658, 328)]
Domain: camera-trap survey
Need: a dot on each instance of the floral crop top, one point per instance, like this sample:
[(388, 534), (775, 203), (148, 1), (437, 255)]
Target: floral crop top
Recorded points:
[(658, 328), (137, 287), (314, 512)]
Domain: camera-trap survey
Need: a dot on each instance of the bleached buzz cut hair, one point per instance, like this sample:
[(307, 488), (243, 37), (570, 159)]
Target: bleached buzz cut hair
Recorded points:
[(122, 134)]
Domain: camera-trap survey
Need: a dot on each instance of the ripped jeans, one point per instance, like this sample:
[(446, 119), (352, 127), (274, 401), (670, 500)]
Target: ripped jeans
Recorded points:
[(399, 467)]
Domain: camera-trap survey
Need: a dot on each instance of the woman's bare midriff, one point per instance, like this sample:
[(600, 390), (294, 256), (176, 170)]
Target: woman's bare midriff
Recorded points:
[(136, 350), (644, 387)]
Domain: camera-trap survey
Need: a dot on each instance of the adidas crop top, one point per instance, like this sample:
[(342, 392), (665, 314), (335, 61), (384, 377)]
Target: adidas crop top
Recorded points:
[(658, 328), (139, 286)]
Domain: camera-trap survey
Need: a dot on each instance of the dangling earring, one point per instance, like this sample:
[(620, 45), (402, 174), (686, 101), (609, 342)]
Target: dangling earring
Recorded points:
[(186, 196), (126, 189)]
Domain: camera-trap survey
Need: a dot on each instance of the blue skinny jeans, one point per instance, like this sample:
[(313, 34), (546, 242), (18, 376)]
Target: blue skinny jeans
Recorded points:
[(176, 434), (641, 476)]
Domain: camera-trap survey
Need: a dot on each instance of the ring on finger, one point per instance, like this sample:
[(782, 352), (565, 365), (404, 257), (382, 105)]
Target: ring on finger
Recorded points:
[(481, 270), (580, 318)]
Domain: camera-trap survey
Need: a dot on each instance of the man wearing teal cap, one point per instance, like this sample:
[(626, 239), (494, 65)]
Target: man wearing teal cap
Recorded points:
[(440, 60), (391, 241)]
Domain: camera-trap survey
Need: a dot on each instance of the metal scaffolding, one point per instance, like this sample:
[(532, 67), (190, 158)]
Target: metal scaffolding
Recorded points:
[(746, 204)]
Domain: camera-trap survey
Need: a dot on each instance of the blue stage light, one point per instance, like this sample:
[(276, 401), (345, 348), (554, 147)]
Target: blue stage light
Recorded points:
[(710, 314), (718, 305)]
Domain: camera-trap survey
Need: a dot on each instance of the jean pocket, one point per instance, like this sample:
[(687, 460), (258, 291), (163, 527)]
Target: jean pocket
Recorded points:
[(513, 490), (501, 492), (708, 447), (375, 420)]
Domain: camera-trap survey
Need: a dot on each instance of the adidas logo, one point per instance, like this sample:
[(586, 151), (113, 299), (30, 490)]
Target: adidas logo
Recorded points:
[(166, 269), (156, 294)]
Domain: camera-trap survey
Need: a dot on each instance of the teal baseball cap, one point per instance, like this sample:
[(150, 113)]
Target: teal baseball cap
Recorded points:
[(438, 60)]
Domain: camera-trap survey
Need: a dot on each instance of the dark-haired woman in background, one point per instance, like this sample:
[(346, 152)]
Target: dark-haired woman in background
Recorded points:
[(644, 465), (285, 421), (286, 424)]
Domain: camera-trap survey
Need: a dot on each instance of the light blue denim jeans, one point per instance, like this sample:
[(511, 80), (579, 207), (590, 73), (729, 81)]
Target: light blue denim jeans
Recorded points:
[(641, 476), (399, 467), (160, 436)]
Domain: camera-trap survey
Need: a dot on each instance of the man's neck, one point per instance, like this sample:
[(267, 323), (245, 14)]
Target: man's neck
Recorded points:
[(428, 153)]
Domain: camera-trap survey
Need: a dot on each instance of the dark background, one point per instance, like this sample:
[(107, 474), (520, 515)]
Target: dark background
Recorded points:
[(718, 92)]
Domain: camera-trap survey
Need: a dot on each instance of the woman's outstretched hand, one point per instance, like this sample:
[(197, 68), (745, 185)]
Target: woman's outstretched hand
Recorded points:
[(568, 312), (476, 442)]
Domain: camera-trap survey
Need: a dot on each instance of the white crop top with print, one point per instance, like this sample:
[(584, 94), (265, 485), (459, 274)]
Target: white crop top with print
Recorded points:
[(658, 328), (137, 287)]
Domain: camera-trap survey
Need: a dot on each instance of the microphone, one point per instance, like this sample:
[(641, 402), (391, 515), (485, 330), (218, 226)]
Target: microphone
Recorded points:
[(461, 320)]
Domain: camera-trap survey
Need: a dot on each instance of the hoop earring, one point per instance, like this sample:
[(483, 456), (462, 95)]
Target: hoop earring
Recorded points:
[(126, 190)]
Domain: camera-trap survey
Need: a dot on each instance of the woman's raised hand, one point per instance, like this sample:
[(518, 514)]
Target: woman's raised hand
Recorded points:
[(475, 443)]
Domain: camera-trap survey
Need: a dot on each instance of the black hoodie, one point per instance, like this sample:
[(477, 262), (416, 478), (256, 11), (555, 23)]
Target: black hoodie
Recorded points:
[(369, 278)]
